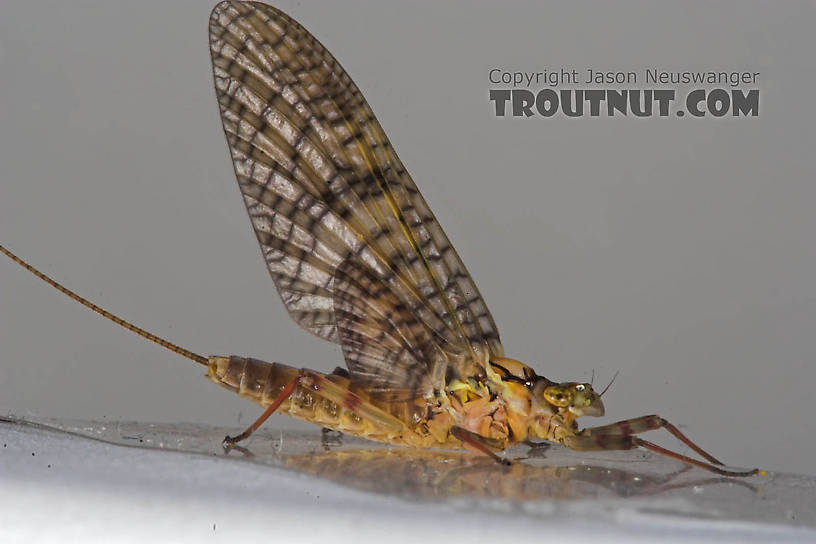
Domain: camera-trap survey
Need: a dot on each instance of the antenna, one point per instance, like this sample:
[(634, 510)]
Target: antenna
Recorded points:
[(101, 311), (610, 383)]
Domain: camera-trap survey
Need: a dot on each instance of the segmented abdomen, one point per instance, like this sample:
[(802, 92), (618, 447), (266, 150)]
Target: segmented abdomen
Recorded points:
[(263, 382), (252, 379)]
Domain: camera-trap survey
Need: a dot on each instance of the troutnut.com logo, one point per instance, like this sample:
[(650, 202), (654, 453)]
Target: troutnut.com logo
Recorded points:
[(664, 93)]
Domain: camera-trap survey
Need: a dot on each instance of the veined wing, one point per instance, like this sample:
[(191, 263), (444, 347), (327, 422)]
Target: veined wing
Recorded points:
[(356, 254)]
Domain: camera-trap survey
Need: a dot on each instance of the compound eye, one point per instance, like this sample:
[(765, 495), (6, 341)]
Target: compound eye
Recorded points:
[(558, 396)]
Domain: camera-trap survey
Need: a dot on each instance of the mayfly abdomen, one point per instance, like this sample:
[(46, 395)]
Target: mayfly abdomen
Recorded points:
[(345, 411), (252, 379), (264, 382)]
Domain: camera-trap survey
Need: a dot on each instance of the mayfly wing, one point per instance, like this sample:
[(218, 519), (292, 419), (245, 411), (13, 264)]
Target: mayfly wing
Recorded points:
[(356, 254), (385, 345)]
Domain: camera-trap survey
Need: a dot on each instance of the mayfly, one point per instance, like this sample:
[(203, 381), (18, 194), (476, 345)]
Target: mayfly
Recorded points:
[(359, 259)]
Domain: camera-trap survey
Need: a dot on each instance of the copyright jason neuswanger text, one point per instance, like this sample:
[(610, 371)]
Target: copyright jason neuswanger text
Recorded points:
[(650, 92)]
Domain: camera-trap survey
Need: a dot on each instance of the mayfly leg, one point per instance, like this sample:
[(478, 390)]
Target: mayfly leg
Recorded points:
[(620, 436), (230, 441), (480, 443), (648, 423), (680, 457)]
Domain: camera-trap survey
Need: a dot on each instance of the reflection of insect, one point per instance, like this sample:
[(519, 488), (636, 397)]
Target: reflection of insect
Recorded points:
[(359, 259)]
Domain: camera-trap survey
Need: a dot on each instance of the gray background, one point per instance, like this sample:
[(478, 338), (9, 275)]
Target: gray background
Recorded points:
[(679, 252)]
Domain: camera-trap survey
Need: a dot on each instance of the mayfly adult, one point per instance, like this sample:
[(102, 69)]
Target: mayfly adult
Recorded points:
[(359, 259)]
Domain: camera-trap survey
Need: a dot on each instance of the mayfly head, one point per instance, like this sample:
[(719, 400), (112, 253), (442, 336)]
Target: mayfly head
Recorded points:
[(578, 398)]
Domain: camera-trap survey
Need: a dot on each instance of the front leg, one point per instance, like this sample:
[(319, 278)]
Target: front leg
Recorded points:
[(642, 424), (620, 436)]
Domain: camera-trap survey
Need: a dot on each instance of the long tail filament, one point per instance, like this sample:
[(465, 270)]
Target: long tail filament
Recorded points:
[(101, 311)]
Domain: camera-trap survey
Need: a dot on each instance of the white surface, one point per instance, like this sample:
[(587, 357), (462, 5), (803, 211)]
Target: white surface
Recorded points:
[(679, 252), (59, 487)]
